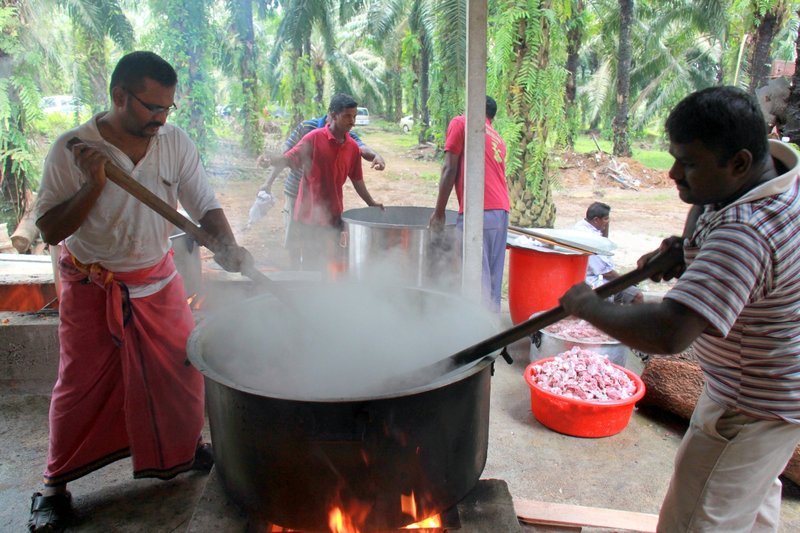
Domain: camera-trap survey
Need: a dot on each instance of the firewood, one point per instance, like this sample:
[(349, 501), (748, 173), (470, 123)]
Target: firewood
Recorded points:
[(565, 515)]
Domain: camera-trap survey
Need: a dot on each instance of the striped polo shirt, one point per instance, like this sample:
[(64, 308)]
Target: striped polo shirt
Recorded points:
[(743, 276)]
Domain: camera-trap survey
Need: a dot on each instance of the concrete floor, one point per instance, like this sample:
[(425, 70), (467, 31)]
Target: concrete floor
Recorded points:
[(628, 471)]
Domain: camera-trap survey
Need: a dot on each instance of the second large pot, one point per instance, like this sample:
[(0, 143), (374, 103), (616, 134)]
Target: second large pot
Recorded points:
[(289, 448), (396, 244)]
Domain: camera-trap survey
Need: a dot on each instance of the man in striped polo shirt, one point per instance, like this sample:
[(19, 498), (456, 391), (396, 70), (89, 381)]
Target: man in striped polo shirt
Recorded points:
[(738, 302)]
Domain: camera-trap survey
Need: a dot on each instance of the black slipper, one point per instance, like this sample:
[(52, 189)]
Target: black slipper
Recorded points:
[(203, 458), (50, 513)]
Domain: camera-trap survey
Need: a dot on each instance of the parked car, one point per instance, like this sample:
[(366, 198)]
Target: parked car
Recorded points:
[(407, 123), (362, 116), (60, 103)]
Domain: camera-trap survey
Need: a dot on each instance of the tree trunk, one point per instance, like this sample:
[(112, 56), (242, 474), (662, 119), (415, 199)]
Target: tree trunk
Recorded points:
[(186, 46), (760, 60), (424, 88), (574, 41), (622, 146), (298, 90), (252, 138), (792, 127), (398, 92), (529, 183)]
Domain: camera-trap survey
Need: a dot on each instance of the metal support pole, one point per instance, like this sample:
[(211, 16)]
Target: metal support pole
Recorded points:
[(474, 149)]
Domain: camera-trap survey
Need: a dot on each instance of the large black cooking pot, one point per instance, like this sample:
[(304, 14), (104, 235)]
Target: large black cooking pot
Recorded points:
[(301, 421)]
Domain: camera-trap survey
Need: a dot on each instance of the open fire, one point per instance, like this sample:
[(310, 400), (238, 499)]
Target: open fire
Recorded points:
[(351, 520), (195, 301)]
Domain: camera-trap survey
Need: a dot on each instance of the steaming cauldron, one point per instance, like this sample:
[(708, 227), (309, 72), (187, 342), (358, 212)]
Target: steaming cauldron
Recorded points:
[(395, 243), (291, 442)]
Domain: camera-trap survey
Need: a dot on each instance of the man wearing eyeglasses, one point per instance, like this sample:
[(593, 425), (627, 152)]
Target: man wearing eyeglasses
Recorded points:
[(124, 387)]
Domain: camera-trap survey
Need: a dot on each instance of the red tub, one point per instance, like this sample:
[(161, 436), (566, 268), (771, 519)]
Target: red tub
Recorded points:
[(538, 278), (581, 418)]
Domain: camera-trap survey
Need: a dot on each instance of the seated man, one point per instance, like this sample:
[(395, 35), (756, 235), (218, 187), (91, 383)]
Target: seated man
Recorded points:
[(601, 267)]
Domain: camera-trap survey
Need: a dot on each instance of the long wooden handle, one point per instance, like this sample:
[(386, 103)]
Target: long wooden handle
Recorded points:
[(657, 265)]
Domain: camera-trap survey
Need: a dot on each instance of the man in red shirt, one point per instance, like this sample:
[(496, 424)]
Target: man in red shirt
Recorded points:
[(495, 198), (327, 157)]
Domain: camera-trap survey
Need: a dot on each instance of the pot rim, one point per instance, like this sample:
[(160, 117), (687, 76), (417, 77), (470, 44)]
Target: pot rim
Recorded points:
[(450, 217), (195, 355)]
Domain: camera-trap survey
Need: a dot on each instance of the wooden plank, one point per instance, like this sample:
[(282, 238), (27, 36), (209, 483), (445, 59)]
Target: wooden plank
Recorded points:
[(560, 514)]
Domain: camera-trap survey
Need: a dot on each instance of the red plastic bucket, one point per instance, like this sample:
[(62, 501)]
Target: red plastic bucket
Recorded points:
[(537, 279), (581, 418)]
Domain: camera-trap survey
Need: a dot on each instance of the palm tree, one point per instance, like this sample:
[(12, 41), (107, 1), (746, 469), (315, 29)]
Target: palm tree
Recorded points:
[(186, 43), (26, 55), (527, 77), (768, 23), (415, 17), (622, 145), (301, 18), (92, 23), (242, 27), (792, 127), (674, 51), (575, 30)]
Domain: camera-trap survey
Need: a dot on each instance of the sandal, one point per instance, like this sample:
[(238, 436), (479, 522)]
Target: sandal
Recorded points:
[(203, 458), (50, 513)]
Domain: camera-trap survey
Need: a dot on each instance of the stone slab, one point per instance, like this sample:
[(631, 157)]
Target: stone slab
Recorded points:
[(28, 351)]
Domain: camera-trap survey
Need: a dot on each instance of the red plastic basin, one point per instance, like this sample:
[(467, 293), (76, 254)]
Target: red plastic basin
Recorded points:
[(537, 279), (581, 418)]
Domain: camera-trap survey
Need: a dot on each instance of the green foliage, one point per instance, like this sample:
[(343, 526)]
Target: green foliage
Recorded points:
[(185, 41), (656, 159), (19, 101), (448, 71), (528, 79)]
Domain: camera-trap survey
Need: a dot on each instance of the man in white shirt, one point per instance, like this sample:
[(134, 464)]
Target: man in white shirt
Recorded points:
[(600, 268), (124, 386)]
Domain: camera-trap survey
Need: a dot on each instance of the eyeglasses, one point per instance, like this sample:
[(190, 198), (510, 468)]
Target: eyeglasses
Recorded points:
[(154, 109)]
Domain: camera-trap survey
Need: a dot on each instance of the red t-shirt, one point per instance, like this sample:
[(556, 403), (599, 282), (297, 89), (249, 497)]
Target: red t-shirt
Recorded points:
[(320, 200), (495, 192)]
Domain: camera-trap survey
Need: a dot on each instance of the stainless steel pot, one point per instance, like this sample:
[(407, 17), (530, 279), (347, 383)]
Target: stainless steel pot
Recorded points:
[(395, 244), (546, 344), (188, 262), (287, 451)]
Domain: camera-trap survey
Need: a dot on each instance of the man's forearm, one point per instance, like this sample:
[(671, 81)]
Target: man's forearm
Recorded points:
[(267, 186), (446, 182), (64, 219), (367, 153), (362, 191), (215, 223)]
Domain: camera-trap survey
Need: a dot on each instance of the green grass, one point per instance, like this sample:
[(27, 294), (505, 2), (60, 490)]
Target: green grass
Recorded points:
[(656, 159), (585, 145), (651, 158)]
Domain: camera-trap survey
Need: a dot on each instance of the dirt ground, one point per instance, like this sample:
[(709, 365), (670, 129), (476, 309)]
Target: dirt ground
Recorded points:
[(644, 210)]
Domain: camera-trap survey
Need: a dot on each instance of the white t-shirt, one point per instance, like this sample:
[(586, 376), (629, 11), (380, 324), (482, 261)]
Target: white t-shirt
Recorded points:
[(121, 233), (598, 264)]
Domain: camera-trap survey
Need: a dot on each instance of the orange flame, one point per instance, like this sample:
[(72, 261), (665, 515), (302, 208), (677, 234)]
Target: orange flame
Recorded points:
[(195, 301), (340, 522), (408, 504)]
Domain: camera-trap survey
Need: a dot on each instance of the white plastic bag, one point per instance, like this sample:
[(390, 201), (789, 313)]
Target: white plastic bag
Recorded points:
[(264, 201)]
